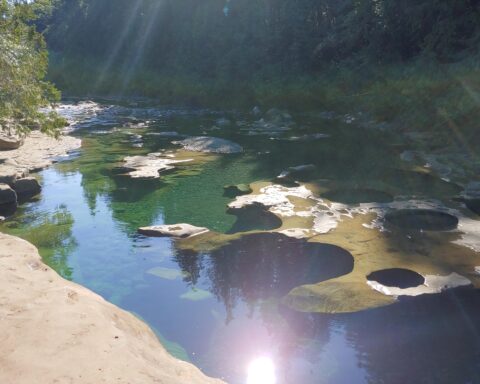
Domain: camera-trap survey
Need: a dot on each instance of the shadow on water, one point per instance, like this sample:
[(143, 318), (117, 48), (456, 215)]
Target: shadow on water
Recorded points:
[(264, 266), (433, 339), (254, 217)]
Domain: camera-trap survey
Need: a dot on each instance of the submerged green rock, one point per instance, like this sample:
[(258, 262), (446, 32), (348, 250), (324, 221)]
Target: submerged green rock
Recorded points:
[(167, 273), (196, 294), (237, 190)]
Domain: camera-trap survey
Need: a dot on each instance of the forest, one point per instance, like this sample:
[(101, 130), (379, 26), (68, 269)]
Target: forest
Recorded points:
[(384, 56)]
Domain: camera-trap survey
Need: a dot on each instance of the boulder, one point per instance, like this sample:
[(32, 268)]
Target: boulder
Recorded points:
[(8, 142), (176, 230), (237, 190), (471, 196), (7, 195), (278, 116), (209, 145), (27, 186)]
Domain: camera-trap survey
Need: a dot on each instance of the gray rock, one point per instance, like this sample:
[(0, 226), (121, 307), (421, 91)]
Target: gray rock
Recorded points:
[(472, 190), (256, 111), (7, 195), (8, 142), (176, 230), (8, 174), (471, 196), (209, 144), (223, 122), (28, 186)]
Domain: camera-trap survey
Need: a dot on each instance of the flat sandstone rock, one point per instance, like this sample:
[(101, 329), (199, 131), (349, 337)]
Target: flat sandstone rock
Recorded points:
[(175, 230), (55, 331)]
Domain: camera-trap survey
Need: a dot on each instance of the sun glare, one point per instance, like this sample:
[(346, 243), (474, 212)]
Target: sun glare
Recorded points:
[(261, 371)]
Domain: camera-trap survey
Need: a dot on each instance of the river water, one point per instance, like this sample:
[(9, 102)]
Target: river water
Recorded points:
[(223, 309)]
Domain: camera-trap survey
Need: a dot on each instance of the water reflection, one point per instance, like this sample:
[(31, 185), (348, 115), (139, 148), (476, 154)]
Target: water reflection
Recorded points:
[(263, 266), (431, 339)]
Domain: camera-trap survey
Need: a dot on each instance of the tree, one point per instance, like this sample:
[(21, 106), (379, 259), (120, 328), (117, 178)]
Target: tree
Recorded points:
[(23, 66)]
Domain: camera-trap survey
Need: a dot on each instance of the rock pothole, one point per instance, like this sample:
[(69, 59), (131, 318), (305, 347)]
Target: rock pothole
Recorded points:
[(397, 277), (421, 219)]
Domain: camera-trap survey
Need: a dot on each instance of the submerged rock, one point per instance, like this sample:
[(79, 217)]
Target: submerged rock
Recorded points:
[(298, 173), (237, 190), (308, 137), (209, 145), (358, 196), (175, 230), (167, 273), (196, 294), (27, 186), (8, 142), (7, 195)]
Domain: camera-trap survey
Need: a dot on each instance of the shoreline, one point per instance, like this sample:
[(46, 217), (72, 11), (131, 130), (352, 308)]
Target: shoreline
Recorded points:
[(56, 331)]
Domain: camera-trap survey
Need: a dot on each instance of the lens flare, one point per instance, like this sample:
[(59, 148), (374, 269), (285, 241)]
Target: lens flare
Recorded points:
[(261, 371)]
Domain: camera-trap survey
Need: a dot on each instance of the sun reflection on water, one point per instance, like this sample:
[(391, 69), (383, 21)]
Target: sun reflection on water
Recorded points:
[(261, 371)]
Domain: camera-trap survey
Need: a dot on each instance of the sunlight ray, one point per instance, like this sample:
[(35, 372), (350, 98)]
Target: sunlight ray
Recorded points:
[(118, 45)]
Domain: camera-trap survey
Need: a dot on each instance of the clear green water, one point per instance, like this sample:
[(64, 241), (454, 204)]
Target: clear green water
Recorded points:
[(221, 310)]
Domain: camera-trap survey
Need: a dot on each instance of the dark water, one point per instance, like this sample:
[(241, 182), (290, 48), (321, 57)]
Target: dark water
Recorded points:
[(222, 309)]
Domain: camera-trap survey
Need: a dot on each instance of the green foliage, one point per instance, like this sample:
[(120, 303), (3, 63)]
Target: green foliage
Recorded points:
[(412, 62), (23, 65)]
